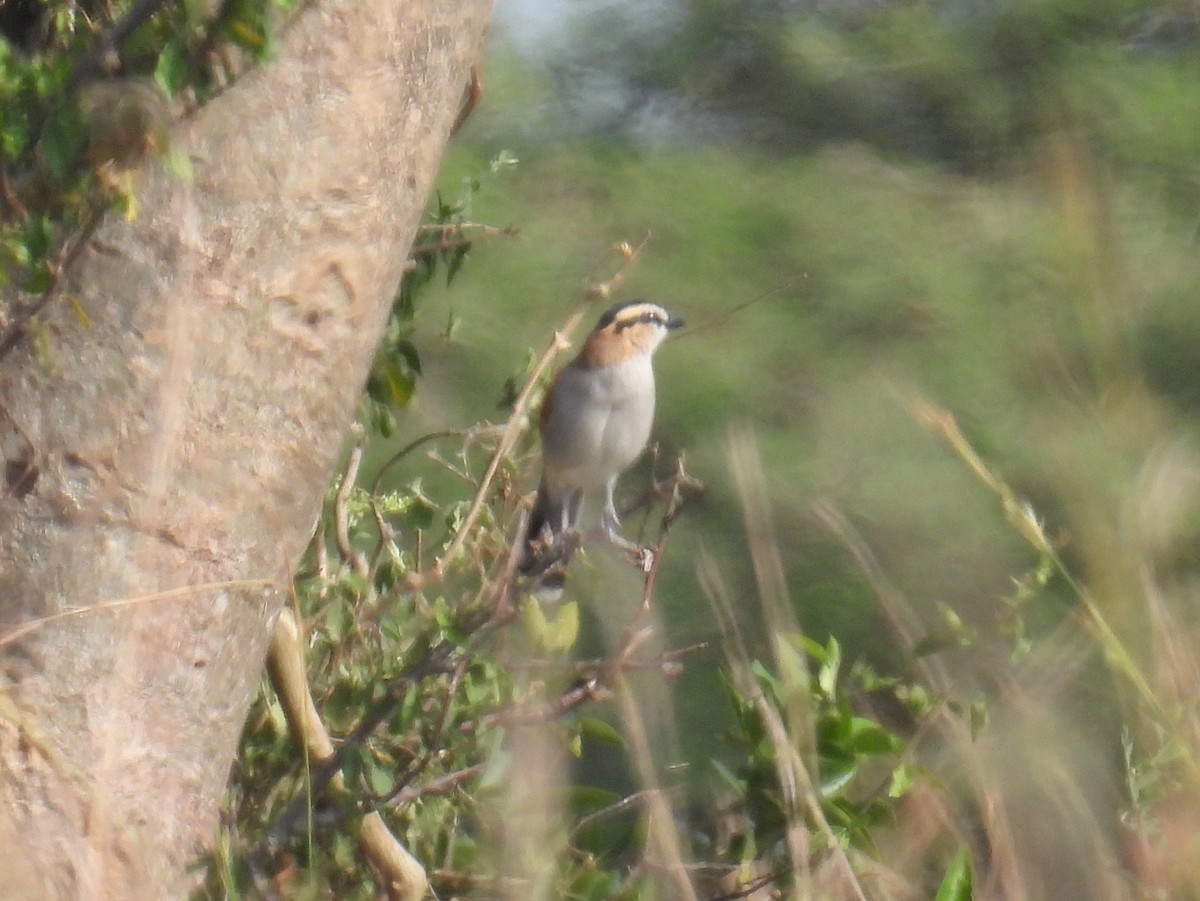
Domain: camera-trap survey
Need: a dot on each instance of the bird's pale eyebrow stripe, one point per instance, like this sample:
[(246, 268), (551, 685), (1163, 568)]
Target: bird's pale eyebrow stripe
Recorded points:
[(650, 316)]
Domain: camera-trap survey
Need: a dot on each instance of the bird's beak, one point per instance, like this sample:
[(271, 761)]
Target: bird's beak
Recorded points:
[(674, 322)]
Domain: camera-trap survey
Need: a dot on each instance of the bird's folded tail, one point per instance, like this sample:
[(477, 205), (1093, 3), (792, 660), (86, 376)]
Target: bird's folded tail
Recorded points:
[(546, 549)]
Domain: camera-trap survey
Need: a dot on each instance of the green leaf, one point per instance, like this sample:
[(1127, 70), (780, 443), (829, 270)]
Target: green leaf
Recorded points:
[(245, 27), (14, 135), (727, 775), (408, 352), (598, 730), (179, 164), (902, 780), (585, 799), (533, 620), (81, 314), (956, 884), (171, 70), (827, 675), (62, 141), (563, 631), (770, 684), (338, 620), (379, 778), (400, 382), (934, 643), (836, 774), (418, 515), (868, 737)]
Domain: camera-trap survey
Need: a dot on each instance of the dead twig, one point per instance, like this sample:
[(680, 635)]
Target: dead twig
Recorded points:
[(355, 559), (403, 875)]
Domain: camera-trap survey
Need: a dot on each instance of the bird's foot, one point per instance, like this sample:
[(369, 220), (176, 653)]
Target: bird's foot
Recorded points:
[(546, 564), (642, 556)]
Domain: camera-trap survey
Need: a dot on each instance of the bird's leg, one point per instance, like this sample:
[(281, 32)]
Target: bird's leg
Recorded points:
[(610, 522)]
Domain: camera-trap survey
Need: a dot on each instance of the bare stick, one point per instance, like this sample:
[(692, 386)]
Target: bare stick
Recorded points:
[(402, 873), (341, 514)]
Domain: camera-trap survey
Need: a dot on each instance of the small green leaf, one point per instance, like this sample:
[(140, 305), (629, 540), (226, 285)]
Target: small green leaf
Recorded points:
[(827, 675), (400, 382), (179, 164), (902, 780), (408, 352), (597, 729), (563, 631), (379, 778), (170, 71), (80, 313), (868, 737), (836, 775), (62, 141), (534, 622), (338, 620), (418, 514), (956, 884), (934, 643)]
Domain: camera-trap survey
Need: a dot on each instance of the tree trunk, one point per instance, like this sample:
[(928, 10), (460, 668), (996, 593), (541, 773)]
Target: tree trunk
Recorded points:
[(168, 460)]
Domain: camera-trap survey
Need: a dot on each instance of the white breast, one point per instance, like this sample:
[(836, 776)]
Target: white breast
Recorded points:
[(600, 420)]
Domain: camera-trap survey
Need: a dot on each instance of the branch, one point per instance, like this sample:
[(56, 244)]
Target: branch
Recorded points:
[(341, 501), (67, 255), (402, 873), (102, 59)]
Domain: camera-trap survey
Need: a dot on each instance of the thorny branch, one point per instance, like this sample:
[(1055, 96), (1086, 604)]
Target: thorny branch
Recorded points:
[(449, 657)]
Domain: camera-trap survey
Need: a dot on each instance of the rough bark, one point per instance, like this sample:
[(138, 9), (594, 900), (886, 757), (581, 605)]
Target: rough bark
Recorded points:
[(182, 441)]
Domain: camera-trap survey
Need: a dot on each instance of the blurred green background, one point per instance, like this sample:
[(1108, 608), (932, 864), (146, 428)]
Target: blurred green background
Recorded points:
[(992, 206)]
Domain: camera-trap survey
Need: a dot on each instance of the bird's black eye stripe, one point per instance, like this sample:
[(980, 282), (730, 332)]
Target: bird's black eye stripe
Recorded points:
[(647, 318)]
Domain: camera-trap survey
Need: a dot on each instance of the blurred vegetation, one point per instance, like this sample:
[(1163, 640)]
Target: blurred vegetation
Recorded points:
[(945, 565)]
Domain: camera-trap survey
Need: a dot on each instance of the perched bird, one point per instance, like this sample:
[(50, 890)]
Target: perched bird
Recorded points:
[(595, 421)]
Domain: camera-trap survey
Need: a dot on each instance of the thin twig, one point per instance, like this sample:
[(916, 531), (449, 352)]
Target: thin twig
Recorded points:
[(341, 515), (432, 745), (107, 606), (439, 786), (99, 60), (637, 798), (725, 315), (67, 256)]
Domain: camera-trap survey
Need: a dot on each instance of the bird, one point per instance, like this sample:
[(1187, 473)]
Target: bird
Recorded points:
[(595, 422)]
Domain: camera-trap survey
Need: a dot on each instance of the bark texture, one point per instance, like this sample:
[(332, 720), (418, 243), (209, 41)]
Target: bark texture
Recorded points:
[(184, 439)]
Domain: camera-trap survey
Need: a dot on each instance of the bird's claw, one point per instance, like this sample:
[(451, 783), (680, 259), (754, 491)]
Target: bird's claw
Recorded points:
[(643, 558)]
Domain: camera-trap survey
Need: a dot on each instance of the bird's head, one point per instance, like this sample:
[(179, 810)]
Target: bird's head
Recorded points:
[(625, 330)]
